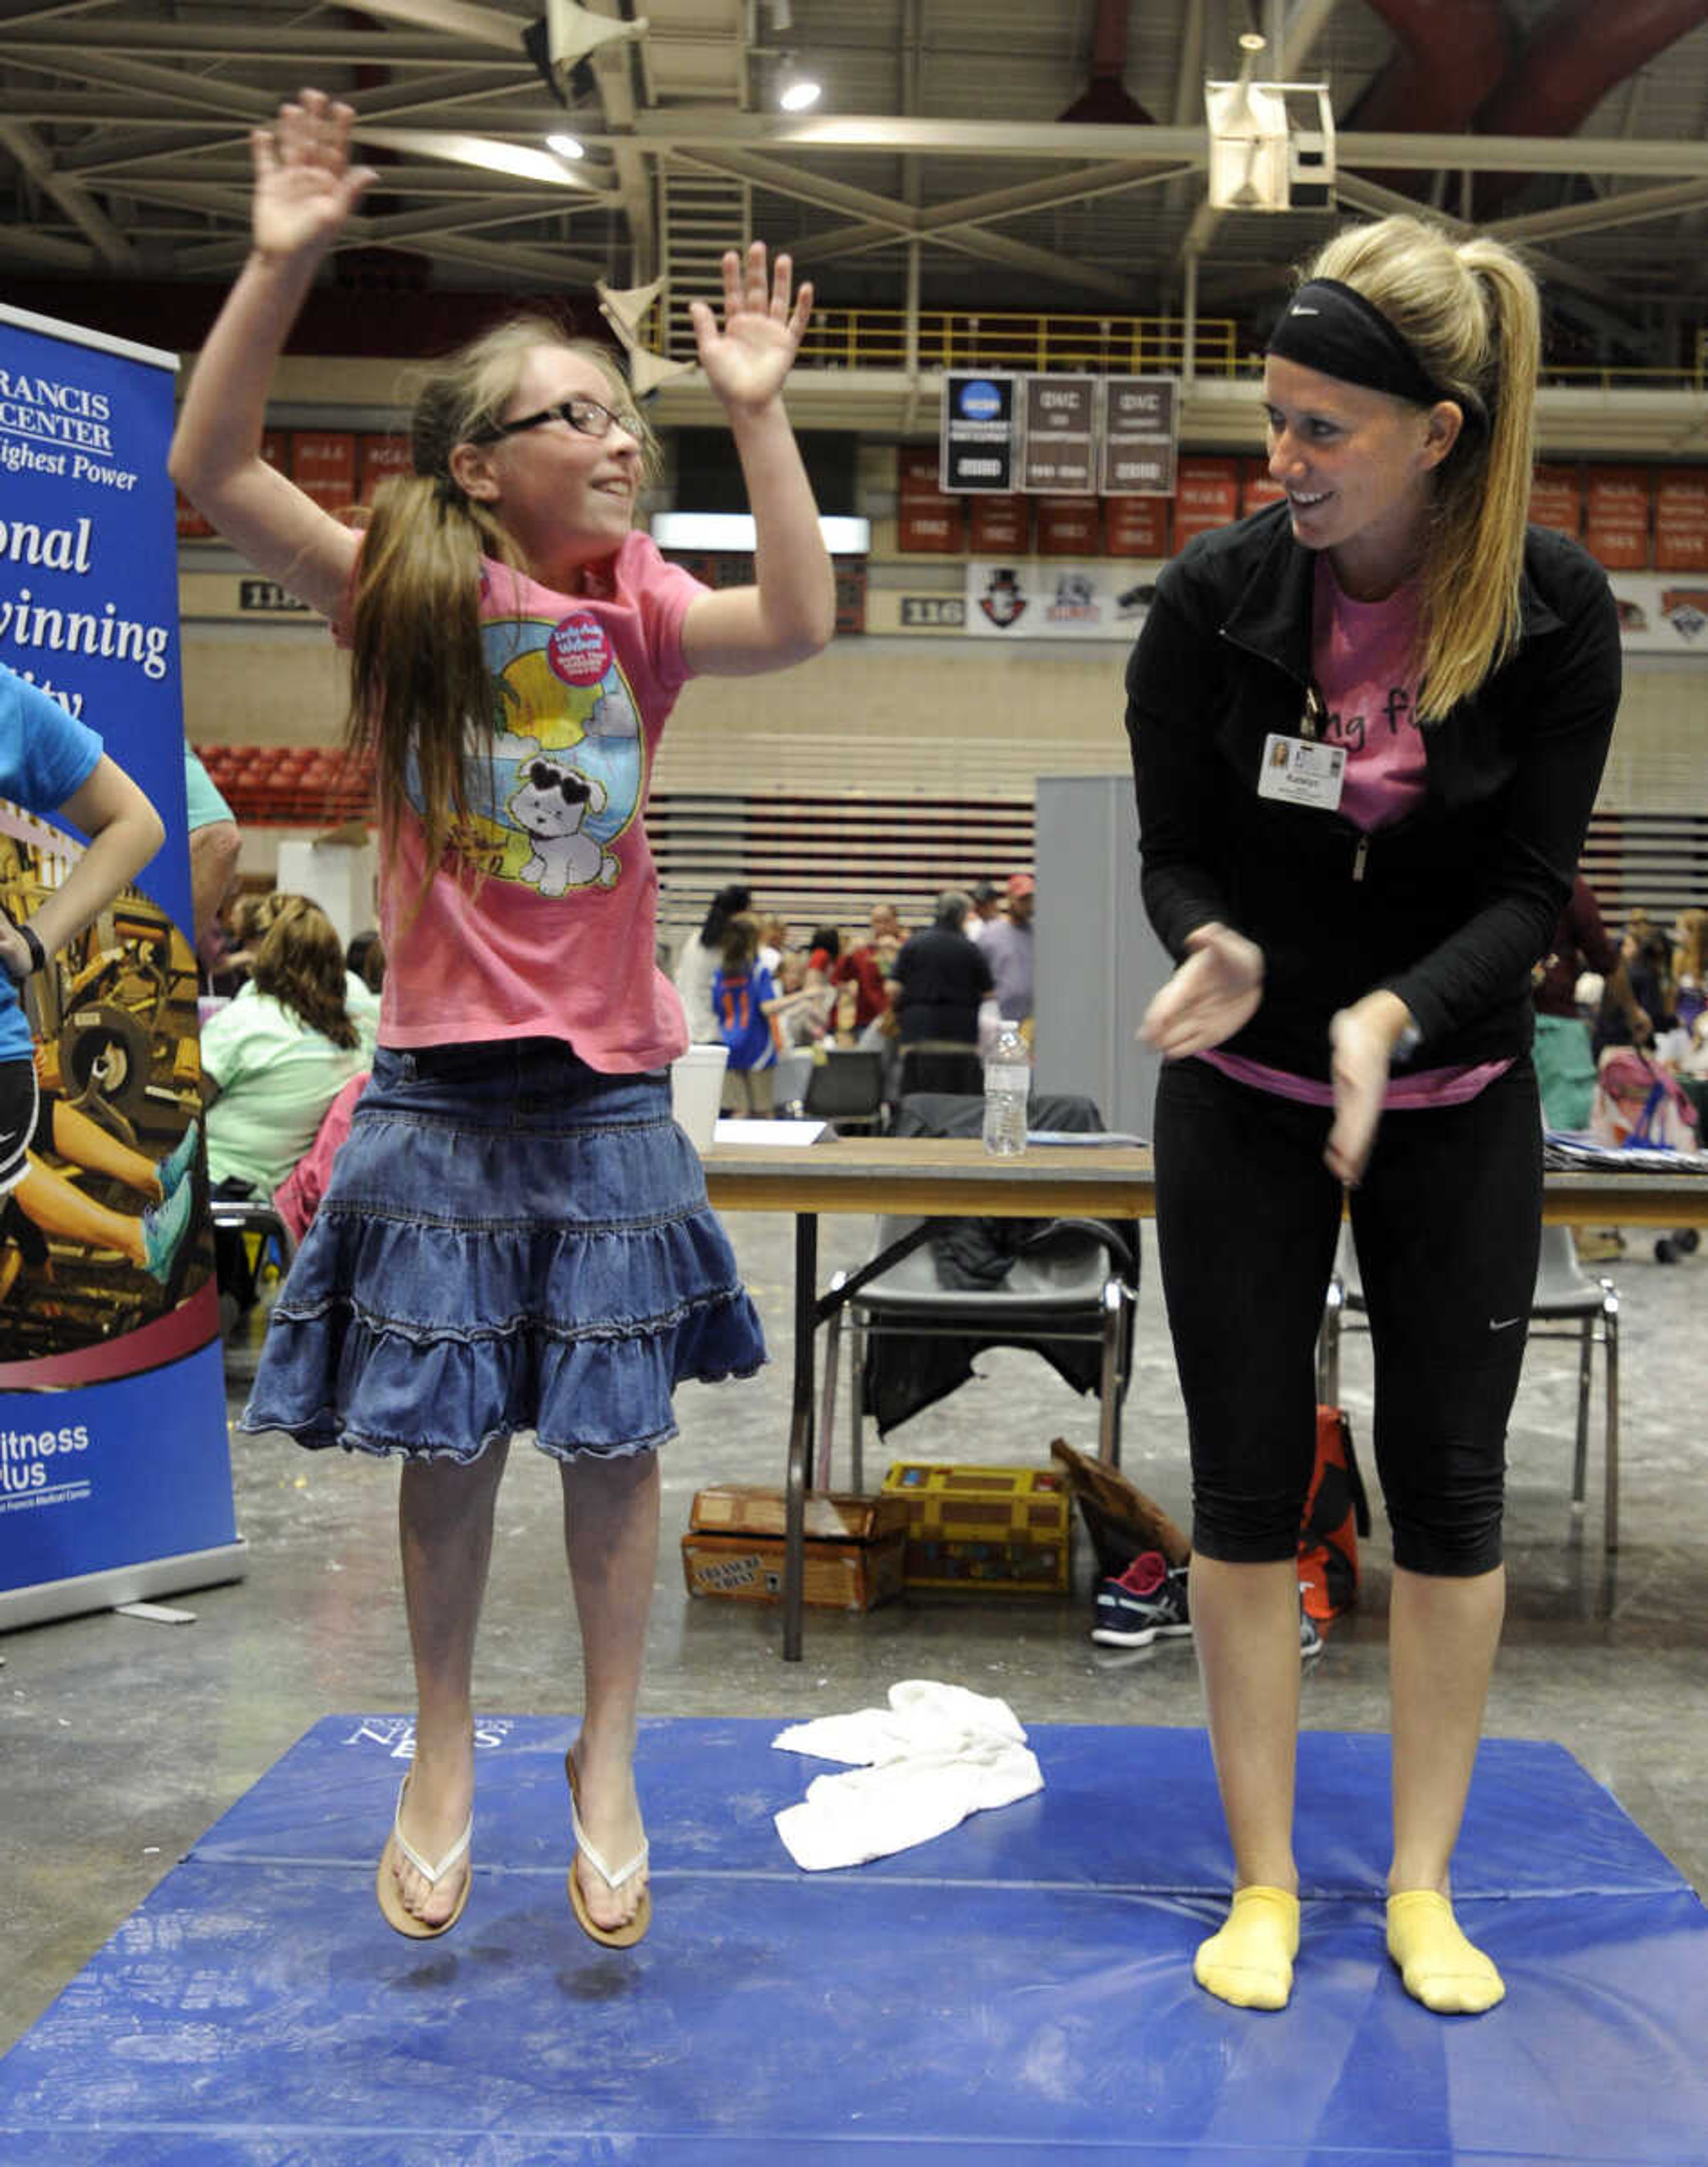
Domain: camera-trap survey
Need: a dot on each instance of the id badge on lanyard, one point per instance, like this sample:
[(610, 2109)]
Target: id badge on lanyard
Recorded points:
[(1303, 771)]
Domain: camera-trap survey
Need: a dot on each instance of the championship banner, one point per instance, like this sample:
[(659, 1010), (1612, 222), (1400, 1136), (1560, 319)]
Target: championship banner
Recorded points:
[(976, 448), (1060, 452), (115, 1482), (1141, 434)]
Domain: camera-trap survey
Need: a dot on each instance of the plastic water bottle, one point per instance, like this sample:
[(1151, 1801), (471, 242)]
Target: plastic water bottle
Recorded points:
[(1008, 1079)]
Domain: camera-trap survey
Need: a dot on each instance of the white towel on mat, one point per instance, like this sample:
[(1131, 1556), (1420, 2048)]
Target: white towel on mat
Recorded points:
[(936, 1754)]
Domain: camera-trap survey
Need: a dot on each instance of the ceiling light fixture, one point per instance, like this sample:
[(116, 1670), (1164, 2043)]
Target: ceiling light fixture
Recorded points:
[(796, 91), (566, 146), (525, 162)]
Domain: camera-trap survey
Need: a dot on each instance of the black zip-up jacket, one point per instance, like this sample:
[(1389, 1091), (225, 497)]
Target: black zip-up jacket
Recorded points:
[(1450, 905)]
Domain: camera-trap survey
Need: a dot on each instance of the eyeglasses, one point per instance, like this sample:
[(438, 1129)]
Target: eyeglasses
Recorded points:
[(586, 416)]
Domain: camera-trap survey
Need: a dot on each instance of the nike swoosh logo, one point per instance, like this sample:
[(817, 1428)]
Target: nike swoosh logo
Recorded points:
[(1503, 1323)]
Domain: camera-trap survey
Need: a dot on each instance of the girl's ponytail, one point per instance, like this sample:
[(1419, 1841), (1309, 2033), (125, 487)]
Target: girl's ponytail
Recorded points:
[(421, 697)]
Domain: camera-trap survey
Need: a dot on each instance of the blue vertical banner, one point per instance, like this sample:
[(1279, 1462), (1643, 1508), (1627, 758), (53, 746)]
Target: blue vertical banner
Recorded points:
[(115, 1480)]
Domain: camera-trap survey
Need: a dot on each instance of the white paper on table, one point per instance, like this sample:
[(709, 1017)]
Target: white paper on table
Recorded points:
[(730, 1130)]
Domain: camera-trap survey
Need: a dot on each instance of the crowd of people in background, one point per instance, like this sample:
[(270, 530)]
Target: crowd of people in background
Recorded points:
[(1622, 1035), (766, 989), (748, 982), (1642, 989), (1665, 971)]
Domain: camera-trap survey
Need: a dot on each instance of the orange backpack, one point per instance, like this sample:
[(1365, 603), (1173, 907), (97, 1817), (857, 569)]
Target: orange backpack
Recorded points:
[(1336, 1512)]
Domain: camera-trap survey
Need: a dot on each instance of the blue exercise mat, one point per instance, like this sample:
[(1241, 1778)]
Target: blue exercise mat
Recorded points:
[(1020, 1989)]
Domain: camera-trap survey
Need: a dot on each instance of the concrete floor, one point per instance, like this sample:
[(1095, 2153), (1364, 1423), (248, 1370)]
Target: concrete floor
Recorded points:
[(123, 1741)]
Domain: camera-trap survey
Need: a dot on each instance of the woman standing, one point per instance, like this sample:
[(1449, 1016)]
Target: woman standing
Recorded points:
[(516, 1235), (1368, 724)]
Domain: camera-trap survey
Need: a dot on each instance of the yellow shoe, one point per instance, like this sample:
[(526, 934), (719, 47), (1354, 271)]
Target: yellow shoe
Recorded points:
[(1441, 1968), (1249, 1963)]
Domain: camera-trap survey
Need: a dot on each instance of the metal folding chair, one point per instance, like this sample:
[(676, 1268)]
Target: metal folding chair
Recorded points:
[(846, 1089), (1068, 1284)]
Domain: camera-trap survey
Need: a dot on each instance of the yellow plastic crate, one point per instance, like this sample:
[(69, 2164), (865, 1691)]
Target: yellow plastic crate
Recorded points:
[(1002, 1530)]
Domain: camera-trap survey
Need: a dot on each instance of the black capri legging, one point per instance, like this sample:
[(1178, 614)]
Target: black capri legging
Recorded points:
[(21, 1111), (1447, 1222)]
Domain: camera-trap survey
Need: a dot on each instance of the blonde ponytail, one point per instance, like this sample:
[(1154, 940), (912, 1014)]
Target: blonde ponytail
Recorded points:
[(1470, 312)]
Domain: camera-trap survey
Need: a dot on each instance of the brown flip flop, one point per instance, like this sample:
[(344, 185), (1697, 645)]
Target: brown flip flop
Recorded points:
[(611, 1938), (385, 1888)]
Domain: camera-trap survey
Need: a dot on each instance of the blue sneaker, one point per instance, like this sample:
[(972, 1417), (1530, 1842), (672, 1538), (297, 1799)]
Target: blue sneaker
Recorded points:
[(1144, 1603), (164, 1226), (175, 1168), (1148, 1602)]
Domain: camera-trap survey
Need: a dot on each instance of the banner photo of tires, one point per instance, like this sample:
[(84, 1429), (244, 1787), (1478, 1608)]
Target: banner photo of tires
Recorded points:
[(114, 1475)]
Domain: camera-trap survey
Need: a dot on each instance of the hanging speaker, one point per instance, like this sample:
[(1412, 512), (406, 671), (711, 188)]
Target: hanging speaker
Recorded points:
[(1271, 145)]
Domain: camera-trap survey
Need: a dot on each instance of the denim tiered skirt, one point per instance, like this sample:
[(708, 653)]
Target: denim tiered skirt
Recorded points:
[(510, 1241)]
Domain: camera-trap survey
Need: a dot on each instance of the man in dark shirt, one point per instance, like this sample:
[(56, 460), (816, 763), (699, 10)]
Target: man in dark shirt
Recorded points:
[(940, 978)]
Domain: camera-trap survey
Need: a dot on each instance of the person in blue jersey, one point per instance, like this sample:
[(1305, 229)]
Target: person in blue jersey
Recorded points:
[(56, 767)]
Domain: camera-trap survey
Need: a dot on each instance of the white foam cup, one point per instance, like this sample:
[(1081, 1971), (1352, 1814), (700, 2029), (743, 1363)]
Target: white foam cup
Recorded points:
[(697, 1088)]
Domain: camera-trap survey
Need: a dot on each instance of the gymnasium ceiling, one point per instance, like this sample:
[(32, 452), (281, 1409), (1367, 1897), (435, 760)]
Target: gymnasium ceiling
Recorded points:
[(967, 154)]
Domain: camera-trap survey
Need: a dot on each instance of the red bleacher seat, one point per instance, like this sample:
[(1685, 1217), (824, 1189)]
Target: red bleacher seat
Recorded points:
[(289, 784)]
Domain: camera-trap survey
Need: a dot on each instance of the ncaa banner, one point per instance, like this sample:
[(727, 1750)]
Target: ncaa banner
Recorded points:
[(980, 422), (115, 1482)]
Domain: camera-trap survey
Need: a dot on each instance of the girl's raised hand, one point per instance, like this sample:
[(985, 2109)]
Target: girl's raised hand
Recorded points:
[(746, 362), (304, 185)]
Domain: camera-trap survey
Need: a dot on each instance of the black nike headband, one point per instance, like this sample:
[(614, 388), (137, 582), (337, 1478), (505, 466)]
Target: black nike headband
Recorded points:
[(1331, 328)]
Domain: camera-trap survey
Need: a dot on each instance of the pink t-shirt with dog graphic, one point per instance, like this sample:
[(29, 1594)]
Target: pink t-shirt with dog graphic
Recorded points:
[(556, 937)]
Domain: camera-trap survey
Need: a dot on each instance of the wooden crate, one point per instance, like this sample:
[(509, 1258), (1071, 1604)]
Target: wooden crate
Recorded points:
[(734, 1547)]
